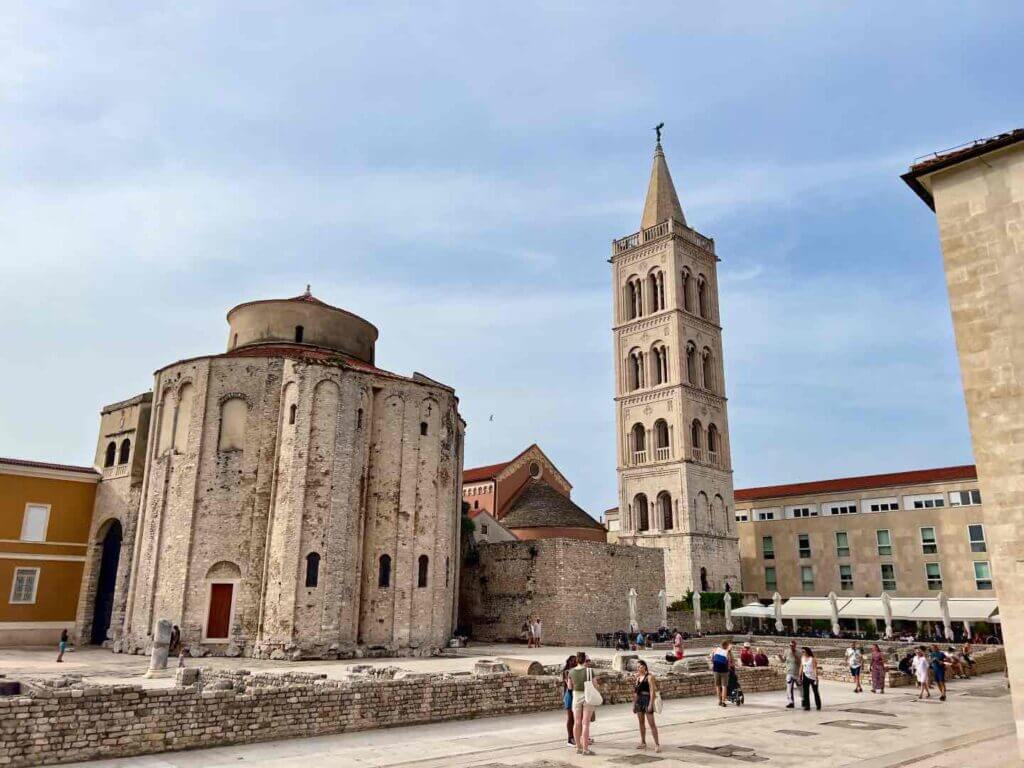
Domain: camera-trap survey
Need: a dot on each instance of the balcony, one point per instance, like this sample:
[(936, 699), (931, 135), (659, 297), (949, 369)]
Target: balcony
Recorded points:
[(121, 470), (669, 226), (662, 454), (639, 457), (707, 458)]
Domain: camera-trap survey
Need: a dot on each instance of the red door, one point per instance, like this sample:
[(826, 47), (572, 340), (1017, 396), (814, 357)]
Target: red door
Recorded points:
[(219, 620)]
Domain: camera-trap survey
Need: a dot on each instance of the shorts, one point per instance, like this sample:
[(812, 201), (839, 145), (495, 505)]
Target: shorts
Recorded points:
[(721, 679), (63, 646), (578, 701), (854, 671), (642, 703), (567, 700), (940, 673)]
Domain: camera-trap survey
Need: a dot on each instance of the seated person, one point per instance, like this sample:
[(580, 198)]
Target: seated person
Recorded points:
[(747, 656), (760, 658), (906, 665), (641, 641)]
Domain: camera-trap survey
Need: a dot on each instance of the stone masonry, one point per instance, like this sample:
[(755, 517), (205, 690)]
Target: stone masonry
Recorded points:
[(69, 724), (577, 588)]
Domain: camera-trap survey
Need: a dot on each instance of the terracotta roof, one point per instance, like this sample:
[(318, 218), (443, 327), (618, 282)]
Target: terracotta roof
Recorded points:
[(946, 158), (309, 298), (310, 354), (47, 465), (541, 506), (489, 472), (860, 483)]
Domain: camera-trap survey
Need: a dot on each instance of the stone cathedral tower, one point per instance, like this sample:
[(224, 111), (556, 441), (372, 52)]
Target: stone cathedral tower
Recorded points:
[(675, 474)]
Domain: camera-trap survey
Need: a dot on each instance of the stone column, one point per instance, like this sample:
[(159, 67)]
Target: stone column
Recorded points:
[(161, 646)]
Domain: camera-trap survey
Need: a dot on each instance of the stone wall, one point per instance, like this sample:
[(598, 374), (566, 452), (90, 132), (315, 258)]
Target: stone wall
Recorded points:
[(577, 588), (710, 622), (65, 725)]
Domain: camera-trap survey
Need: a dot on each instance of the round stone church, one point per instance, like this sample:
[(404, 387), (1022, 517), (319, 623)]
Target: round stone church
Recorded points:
[(296, 500)]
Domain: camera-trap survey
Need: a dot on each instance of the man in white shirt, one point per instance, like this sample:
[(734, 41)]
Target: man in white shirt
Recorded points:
[(855, 660)]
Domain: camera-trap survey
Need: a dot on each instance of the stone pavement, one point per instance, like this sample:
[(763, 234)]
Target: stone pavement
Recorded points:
[(973, 728)]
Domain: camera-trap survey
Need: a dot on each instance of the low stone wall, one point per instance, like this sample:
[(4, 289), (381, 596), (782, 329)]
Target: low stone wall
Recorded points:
[(710, 621), (220, 708)]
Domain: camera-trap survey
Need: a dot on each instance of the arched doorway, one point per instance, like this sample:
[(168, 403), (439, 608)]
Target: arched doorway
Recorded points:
[(104, 604)]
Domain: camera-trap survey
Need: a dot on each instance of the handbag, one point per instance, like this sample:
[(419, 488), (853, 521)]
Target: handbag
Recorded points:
[(658, 703), (591, 696)]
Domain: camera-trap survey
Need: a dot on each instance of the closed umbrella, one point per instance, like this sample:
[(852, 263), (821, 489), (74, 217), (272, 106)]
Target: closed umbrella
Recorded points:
[(631, 600), (663, 607), (887, 614), (947, 623), (779, 626), (696, 612), (834, 608), (728, 612)]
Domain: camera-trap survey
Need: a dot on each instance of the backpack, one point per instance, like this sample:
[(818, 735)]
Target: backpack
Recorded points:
[(720, 661)]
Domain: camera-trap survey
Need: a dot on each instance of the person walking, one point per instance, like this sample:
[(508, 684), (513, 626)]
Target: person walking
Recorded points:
[(721, 663), (570, 664), (581, 711), (855, 659), (920, 665), (809, 679), (791, 663), (645, 693), (877, 669), (62, 645), (939, 662)]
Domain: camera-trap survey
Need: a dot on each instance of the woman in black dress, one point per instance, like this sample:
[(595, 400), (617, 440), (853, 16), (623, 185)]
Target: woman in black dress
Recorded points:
[(645, 694)]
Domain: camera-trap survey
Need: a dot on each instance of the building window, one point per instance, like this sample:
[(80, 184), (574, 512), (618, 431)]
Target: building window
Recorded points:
[(846, 577), (884, 540), (766, 514), (35, 522), (884, 506), (842, 544), (665, 507), (767, 548), (804, 512), (965, 498), (423, 428), (929, 501), (423, 566), (111, 455), (928, 544), (292, 410), (662, 450), (233, 414), (807, 578), (976, 534), (640, 507), (702, 296), (933, 574), (846, 508), (888, 577), (24, 586), (483, 529), (312, 569), (299, 333), (803, 545), (384, 572), (982, 575), (476, 504), (124, 452), (687, 291), (741, 517), (770, 582)]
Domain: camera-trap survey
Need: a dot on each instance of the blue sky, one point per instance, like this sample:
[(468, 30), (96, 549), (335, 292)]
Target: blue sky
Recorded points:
[(455, 172)]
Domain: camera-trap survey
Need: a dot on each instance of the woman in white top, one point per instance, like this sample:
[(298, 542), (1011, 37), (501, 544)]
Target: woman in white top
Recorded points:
[(920, 666), (809, 678)]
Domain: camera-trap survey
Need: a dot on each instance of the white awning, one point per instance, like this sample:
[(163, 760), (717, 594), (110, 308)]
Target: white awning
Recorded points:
[(960, 609), (871, 608), (811, 607), (754, 611)]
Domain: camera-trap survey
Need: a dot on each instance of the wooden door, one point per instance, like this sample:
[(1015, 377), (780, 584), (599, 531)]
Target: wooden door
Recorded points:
[(218, 622)]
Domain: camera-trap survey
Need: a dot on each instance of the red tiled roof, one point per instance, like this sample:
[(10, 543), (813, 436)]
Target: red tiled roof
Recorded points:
[(860, 483), (309, 354), (47, 465), (476, 474)]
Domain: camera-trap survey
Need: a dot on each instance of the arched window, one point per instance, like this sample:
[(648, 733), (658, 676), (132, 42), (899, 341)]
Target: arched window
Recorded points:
[(708, 369), (183, 416), (696, 435), (659, 361), (111, 455), (359, 419), (233, 415), (714, 442), (384, 572), (126, 449), (687, 291), (636, 371), (665, 510), (702, 296), (656, 290), (661, 440), (234, 341), (691, 364), (299, 333), (640, 508), (423, 428), (312, 569), (639, 439), (634, 298), (423, 565), (292, 410)]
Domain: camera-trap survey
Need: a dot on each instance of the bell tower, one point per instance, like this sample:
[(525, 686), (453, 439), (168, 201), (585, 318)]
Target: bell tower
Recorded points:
[(674, 467)]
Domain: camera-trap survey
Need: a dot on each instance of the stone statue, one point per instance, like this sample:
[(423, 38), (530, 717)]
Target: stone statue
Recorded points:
[(657, 131), (633, 625)]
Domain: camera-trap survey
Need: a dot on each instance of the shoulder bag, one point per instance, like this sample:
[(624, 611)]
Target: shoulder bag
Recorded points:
[(591, 696)]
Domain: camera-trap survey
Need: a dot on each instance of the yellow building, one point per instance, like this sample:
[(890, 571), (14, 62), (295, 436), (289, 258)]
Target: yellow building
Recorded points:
[(45, 513), (905, 533)]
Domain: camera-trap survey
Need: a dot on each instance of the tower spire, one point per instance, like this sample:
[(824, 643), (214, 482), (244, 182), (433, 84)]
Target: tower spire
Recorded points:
[(662, 202)]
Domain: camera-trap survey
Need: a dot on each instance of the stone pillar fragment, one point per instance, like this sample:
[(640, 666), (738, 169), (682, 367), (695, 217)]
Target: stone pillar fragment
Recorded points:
[(161, 647)]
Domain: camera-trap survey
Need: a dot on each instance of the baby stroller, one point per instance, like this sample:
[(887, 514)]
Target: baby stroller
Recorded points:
[(733, 691)]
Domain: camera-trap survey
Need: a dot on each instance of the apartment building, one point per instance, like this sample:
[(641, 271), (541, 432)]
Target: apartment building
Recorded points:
[(905, 533)]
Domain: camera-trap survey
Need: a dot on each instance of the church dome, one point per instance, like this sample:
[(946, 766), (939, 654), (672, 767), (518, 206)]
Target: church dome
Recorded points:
[(301, 320)]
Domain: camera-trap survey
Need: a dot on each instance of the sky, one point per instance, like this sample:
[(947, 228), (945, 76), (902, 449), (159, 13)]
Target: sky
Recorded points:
[(455, 173)]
